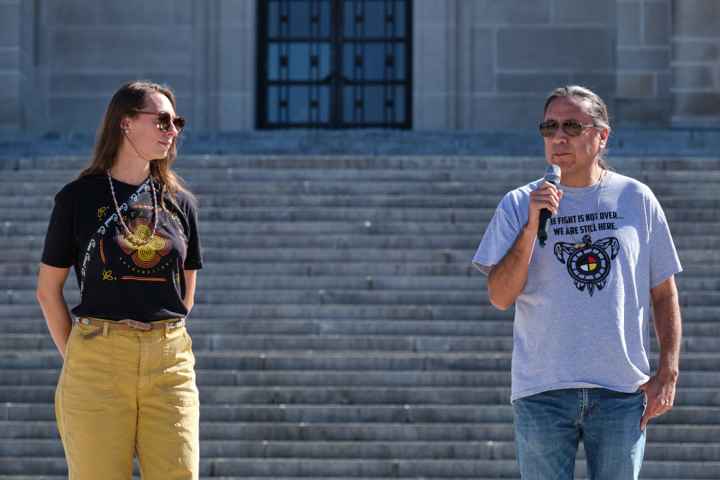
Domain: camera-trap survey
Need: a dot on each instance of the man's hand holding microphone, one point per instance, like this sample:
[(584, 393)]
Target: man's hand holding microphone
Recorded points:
[(544, 203), (507, 279)]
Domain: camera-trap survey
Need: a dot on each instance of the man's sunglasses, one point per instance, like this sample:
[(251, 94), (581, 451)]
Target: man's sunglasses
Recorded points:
[(164, 120), (571, 127)]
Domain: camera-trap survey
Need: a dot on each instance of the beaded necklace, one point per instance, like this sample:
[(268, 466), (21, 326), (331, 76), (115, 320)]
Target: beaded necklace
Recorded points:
[(130, 236)]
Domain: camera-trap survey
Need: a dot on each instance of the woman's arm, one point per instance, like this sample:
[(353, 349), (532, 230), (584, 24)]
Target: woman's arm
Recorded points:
[(190, 281), (52, 301)]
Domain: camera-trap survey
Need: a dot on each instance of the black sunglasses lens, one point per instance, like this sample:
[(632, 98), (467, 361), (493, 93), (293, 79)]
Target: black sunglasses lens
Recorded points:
[(163, 121), (548, 128), (179, 123), (572, 128)]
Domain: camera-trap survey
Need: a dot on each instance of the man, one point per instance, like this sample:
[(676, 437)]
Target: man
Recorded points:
[(580, 368)]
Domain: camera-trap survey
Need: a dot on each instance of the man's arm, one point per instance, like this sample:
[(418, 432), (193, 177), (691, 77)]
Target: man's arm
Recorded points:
[(507, 279), (660, 389)]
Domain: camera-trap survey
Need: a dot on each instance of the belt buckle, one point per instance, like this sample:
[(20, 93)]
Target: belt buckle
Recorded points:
[(136, 325)]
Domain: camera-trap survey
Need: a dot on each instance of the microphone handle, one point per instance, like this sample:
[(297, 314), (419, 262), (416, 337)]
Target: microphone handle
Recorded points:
[(542, 234)]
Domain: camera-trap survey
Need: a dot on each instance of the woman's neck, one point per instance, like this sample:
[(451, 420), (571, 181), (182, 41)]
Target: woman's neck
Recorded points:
[(129, 168)]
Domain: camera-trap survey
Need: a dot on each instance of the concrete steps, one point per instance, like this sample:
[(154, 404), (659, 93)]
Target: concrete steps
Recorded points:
[(340, 330), (328, 311), (371, 468)]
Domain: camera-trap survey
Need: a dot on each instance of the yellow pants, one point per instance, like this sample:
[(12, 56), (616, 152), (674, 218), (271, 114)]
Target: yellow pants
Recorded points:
[(123, 393)]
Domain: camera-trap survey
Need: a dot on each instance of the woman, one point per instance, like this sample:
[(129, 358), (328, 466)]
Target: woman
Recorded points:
[(129, 228)]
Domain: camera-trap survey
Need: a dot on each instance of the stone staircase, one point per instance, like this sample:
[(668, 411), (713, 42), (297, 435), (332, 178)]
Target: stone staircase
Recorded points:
[(340, 330)]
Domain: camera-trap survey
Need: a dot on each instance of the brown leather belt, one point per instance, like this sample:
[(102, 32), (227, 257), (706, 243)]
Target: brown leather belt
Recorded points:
[(128, 324)]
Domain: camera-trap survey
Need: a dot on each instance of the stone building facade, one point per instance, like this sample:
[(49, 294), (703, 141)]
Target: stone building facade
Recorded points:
[(454, 64)]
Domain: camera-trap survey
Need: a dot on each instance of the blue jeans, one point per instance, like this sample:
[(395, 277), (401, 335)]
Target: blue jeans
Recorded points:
[(550, 425)]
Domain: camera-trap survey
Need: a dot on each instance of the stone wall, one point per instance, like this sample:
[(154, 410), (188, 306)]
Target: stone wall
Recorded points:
[(86, 50), (644, 77), (477, 64), (493, 62), (696, 62), (10, 66)]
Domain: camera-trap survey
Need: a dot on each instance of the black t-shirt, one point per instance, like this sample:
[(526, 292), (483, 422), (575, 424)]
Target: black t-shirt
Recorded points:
[(117, 279)]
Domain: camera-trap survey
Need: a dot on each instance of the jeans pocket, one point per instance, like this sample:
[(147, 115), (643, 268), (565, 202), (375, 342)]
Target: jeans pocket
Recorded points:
[(88, 379), (177, 379)]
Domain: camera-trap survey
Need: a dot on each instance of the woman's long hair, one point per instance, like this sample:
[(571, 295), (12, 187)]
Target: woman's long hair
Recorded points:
[(130, 98)]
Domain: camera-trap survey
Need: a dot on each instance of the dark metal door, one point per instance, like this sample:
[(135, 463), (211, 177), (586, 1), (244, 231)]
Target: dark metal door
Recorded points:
[(334, 63)]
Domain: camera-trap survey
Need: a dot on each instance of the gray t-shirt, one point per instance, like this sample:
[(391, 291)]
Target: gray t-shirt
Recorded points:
[(583, 318)]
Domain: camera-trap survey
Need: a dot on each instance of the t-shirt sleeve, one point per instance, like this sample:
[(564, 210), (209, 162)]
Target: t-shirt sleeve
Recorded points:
[(664, 260), (60, 248), (193, 260), (499, 236)]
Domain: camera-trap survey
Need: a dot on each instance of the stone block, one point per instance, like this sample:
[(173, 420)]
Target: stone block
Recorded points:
[(430, 12), (696, 18), (584, 11), (10, 112), (69, 12), (464, 110), (693, 77), (604, 84), (87, 83), (482, 59), (512, 12), (430, 59), (696, 51), (530, 82), (576, 49), (235, 112), (136, 48), (636, 85), (507, 112), (76, 114), (643, 112), (658, 25), (9, 58), (697, 104), (9, 83), (136, 12), (650, 58), (180, 82), (9, 24), (664, 84), (430, 111), (236, 63), (183, 12), (629, 23), (236, 12), (107, 83)]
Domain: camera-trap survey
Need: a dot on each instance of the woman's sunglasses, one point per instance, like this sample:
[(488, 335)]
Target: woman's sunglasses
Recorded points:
[(164, 120), (571, 127)]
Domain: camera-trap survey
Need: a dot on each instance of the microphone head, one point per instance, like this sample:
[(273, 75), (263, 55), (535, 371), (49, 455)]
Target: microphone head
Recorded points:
[(553, 174)]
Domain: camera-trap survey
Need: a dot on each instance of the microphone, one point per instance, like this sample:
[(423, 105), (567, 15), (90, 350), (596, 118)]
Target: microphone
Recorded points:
[(552, 175)]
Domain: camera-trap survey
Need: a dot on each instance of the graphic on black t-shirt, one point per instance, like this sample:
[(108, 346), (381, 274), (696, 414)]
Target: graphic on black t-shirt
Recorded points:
[(120, 279), (145, 257), (142, 258), (588, 263)]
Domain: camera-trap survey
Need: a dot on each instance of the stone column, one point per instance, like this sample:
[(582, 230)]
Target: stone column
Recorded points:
[(10, 66), (434, 64), (696, 63), (233, 66), (644, 37)]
